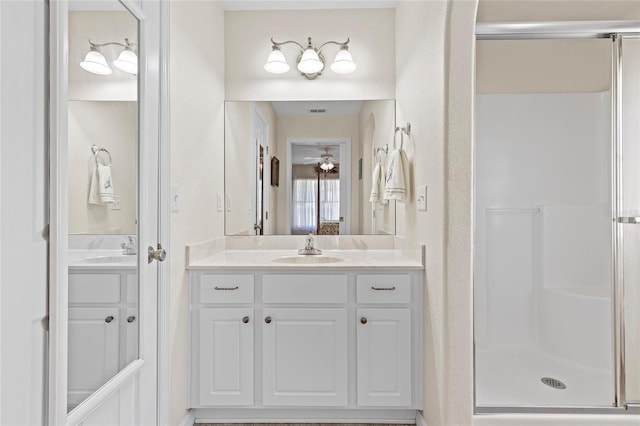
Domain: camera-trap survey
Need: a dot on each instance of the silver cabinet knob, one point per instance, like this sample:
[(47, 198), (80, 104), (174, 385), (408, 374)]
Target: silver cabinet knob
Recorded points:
[(108, 319), (363, 320), (131, 319), (245, 319), (267, 320)]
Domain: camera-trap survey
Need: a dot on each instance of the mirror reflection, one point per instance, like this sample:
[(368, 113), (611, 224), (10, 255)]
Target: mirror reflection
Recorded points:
[(103, 170), (294, 167)]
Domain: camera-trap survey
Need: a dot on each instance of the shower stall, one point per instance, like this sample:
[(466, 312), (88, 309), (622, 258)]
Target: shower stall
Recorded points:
[(557, 217)]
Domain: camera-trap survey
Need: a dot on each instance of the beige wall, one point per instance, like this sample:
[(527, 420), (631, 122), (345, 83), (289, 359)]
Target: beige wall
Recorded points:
[(377, 121), (113, 126), (248, 34), (318, 127), (197, 144)]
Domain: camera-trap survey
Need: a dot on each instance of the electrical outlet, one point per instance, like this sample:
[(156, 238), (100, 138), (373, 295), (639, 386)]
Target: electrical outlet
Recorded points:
[(421, 197)]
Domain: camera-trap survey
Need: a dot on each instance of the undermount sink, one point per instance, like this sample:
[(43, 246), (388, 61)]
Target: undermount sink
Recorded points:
[(307, 259)]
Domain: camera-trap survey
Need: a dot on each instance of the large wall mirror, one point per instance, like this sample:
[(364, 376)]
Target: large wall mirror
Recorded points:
[(103, 187), (295, 167)]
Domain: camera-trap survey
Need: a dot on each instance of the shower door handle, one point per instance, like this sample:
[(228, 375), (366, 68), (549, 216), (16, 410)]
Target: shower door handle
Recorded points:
[(635, 220)]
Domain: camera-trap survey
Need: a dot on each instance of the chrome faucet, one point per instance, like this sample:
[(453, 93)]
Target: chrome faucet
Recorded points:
[(130, 245), (308, 246)]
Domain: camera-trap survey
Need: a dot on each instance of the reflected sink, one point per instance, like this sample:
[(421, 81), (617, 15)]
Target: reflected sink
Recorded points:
[(122, 260), (307, 259)]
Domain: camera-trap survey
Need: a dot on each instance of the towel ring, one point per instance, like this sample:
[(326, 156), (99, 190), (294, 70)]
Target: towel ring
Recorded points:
[(398, 129), (97, 150)]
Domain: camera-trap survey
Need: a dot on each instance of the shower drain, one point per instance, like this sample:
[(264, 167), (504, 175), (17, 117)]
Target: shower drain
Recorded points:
[(554, 383)]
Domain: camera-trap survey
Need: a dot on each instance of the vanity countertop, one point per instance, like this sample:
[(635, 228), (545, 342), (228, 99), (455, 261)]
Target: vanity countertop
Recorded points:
[(290, 260), (100, 259)]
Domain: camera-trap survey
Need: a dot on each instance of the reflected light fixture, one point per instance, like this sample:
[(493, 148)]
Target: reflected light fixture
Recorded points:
[(95, 62), (327, 165), (310, 61)]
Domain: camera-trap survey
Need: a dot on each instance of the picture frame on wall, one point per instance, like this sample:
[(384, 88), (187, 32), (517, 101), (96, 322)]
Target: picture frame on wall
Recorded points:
[(275, 171)]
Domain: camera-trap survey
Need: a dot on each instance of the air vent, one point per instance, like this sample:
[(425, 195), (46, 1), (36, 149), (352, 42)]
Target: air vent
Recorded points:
[(317, 110), (554, 383)]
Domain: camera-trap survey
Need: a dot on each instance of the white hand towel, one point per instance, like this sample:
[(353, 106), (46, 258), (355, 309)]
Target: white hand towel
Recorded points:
[(378, 180), (397, 185), (94, 192), (106, 184)]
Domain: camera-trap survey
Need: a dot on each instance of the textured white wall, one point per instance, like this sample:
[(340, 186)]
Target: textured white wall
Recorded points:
[(197, 146), (248, 34)]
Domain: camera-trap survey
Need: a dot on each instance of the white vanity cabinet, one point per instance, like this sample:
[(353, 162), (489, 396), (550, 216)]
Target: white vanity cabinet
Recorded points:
[(323, 343), (103, 328)]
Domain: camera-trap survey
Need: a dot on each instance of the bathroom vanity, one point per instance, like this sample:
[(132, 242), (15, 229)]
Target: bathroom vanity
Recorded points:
[(275, 335)]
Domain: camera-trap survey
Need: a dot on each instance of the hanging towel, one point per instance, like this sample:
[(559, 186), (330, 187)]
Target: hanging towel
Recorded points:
[(378, 179), (105, 184), (94, 192), (397, 184)]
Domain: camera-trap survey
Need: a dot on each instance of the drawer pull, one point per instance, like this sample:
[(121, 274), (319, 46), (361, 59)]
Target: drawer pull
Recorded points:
[(245, 319), (108, 319), (225, 288), (363, 320), (267, 320), (131, 319), (383, 288)]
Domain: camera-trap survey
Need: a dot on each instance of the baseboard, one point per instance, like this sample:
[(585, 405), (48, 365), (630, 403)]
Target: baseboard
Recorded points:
[(420, 421), (303, 415), (188, 420)]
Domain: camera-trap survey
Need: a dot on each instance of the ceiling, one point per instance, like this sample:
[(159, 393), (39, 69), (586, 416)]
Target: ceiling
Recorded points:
[(300, 152), (306, 4), (311, 108)]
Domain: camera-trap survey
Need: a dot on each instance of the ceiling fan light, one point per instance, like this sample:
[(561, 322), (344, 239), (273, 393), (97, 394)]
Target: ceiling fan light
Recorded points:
[(310, 62)]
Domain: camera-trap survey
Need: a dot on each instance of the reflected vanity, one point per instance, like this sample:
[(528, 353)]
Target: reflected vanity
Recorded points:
[(325, 152), (103, 176)]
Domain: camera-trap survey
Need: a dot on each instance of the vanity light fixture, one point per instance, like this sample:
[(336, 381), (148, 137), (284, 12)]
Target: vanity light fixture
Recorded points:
[(95, 62), (310, 61)]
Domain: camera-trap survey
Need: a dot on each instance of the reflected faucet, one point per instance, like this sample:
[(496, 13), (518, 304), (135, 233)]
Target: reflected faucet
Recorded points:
[(130, 245), (308, 246)]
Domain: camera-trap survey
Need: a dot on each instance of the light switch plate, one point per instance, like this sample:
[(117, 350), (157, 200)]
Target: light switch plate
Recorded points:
[(421, 197)]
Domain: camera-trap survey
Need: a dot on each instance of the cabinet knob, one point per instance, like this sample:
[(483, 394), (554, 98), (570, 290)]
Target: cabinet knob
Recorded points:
[(363, 320), (131, 319), (267, 320), (245, 319), (108, 319)]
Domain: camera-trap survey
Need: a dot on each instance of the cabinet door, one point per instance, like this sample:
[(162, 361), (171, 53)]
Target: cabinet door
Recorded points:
[(304, 357), (226, 356), (94, 350), (384, 357)]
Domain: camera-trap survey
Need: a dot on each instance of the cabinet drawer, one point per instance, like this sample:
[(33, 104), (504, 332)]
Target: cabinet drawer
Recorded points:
[(383, 288), (304, 288), (234, 288), (94, 288)]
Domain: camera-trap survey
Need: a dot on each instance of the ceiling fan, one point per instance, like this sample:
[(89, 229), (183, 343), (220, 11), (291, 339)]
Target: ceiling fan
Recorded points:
[(323, 158)]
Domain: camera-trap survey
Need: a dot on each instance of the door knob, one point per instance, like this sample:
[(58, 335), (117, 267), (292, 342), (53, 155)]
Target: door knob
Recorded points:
[(245, 320), (363, 320), (267, 320), (131, 319), (160, 254), (108, 319)]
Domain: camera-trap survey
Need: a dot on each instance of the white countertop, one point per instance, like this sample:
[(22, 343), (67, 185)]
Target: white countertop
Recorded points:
[(290, 260), (100, 259)]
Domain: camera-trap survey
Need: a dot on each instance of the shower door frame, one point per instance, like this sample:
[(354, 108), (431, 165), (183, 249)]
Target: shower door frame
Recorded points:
[(615, 31)]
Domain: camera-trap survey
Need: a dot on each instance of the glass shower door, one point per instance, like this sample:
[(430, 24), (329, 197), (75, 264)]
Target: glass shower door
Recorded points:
[(629, 217)]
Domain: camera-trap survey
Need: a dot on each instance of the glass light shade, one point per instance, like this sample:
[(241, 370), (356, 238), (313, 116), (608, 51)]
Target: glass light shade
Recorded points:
[(95, 63), (310, 62), (276, 63), (327, 165), (343, 64), (127, 61)]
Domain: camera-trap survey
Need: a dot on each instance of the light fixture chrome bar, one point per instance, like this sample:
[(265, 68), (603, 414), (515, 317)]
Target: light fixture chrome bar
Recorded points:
[(553, 29), (112, 43)]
